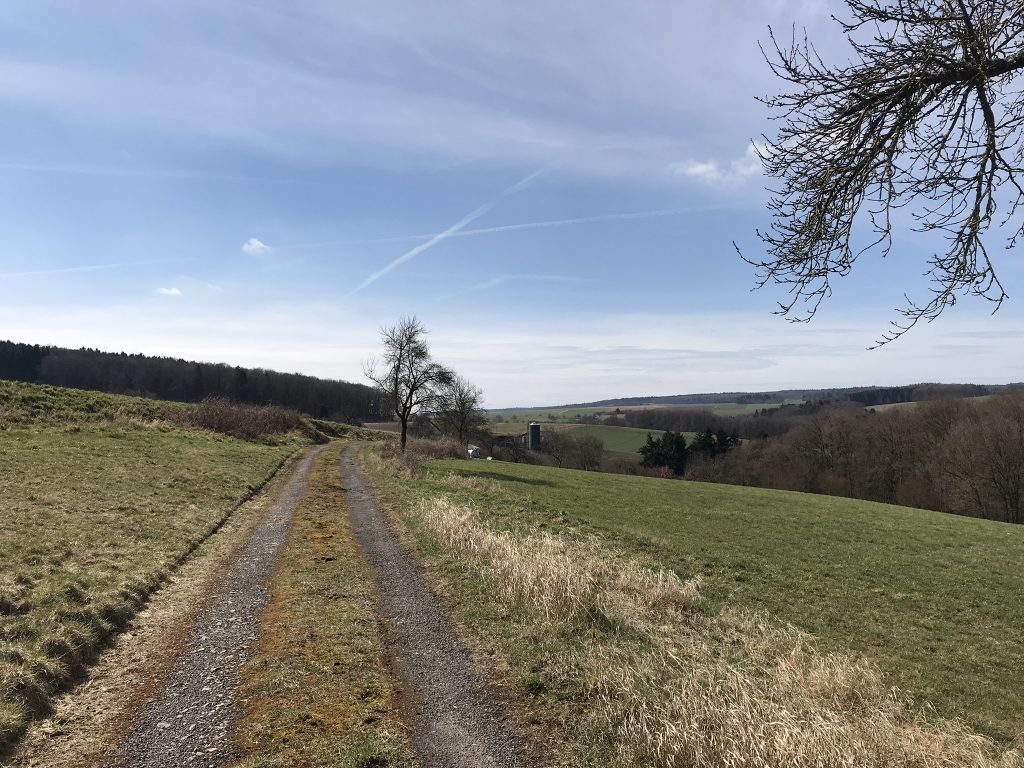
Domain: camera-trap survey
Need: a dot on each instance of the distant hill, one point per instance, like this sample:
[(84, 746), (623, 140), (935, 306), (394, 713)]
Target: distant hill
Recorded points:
[(872, 395), (168, 378)]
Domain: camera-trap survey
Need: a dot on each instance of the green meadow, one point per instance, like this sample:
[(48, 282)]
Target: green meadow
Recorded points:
[(933, 599)]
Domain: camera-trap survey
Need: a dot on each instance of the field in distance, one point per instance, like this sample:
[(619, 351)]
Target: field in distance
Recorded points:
[(621, 441), (567, 414)]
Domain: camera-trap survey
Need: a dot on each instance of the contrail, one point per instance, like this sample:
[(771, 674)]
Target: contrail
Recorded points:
[(500, 280), (91, 267), (660, 213), (452, 230), (468, 219)]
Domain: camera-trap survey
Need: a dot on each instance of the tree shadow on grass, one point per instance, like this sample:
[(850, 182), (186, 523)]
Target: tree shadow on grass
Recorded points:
[(506, 479)]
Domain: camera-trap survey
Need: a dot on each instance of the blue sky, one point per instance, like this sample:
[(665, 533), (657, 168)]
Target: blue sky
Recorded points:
[(552, 187)]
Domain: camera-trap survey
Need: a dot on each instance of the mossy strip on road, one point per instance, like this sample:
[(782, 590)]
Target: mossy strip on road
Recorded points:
[(318, 689)]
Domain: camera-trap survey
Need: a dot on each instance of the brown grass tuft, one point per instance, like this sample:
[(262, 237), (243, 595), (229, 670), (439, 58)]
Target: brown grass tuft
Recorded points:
[(559, 576), (441, 448), (470, 483)]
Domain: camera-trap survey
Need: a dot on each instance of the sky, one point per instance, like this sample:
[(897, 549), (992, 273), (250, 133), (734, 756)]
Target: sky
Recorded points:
[(554, 189)]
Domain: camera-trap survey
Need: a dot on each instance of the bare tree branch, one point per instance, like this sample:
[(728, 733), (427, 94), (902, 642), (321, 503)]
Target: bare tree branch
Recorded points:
[(928, 118)]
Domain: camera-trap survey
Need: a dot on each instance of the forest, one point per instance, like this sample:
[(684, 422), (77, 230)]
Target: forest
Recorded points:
[(964, 456), (187, 381)]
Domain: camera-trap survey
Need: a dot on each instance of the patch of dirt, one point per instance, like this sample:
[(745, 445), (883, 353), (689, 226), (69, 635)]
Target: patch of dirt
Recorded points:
[(94, 716)]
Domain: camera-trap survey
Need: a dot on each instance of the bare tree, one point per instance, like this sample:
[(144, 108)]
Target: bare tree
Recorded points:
[(560, 446), (459, 409), (927, 116), (406, 374), (589, 452)]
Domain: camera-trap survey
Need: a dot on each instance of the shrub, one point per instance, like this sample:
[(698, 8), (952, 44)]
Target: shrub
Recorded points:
[(443, 448), (248, 422)]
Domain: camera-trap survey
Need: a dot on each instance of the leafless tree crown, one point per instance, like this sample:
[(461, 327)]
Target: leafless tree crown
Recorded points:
[(459, 409), (406, 374), (929, 117)]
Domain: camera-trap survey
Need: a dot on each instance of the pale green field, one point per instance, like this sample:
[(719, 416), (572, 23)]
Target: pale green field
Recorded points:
[(621, 441), (915, 403)]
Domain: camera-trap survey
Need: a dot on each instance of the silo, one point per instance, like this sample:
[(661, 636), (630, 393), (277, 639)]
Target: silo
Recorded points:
[(533, 437)]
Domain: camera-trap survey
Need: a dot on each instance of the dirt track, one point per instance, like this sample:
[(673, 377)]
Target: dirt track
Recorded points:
[(188, 723), (456, 723)]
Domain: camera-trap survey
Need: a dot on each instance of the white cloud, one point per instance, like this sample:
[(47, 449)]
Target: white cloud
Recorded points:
[(608, 89), (254, 247), (713, 173), (169, 291)]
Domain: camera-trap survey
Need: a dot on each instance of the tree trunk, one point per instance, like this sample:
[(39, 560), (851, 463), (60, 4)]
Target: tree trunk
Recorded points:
[(405, 433)]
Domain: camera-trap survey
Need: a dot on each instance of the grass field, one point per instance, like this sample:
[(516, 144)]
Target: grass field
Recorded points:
[(101, 500), (915, 403), (933, 600), (622, 441)]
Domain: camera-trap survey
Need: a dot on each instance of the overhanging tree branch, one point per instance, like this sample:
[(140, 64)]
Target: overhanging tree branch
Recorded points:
[(928, 118)]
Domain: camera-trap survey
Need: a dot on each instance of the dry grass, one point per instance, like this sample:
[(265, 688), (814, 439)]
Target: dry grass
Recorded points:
[(476, 484), (560, 577), (441, 448), (672, 686)]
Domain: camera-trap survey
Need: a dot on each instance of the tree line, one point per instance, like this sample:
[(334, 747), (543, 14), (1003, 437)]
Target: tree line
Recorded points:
[(951, 455), (767, 423), (168, 378)]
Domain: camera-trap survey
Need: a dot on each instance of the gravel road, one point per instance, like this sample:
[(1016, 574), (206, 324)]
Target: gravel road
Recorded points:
[(189, 723), (456, 723)]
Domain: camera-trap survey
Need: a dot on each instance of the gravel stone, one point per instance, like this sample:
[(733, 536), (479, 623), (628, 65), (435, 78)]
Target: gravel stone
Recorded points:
[(457, 722), (188, 724)]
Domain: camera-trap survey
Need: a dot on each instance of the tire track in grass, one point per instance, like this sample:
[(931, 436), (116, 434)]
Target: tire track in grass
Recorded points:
[(455, 722), (188, 724)]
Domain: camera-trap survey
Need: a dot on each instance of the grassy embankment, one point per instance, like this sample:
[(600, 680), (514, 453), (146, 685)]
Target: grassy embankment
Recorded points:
[(103, 496), (895, 596), (318, 688)]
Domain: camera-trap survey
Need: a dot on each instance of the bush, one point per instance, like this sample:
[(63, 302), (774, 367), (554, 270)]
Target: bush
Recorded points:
[(442, 448), (247, 422)]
